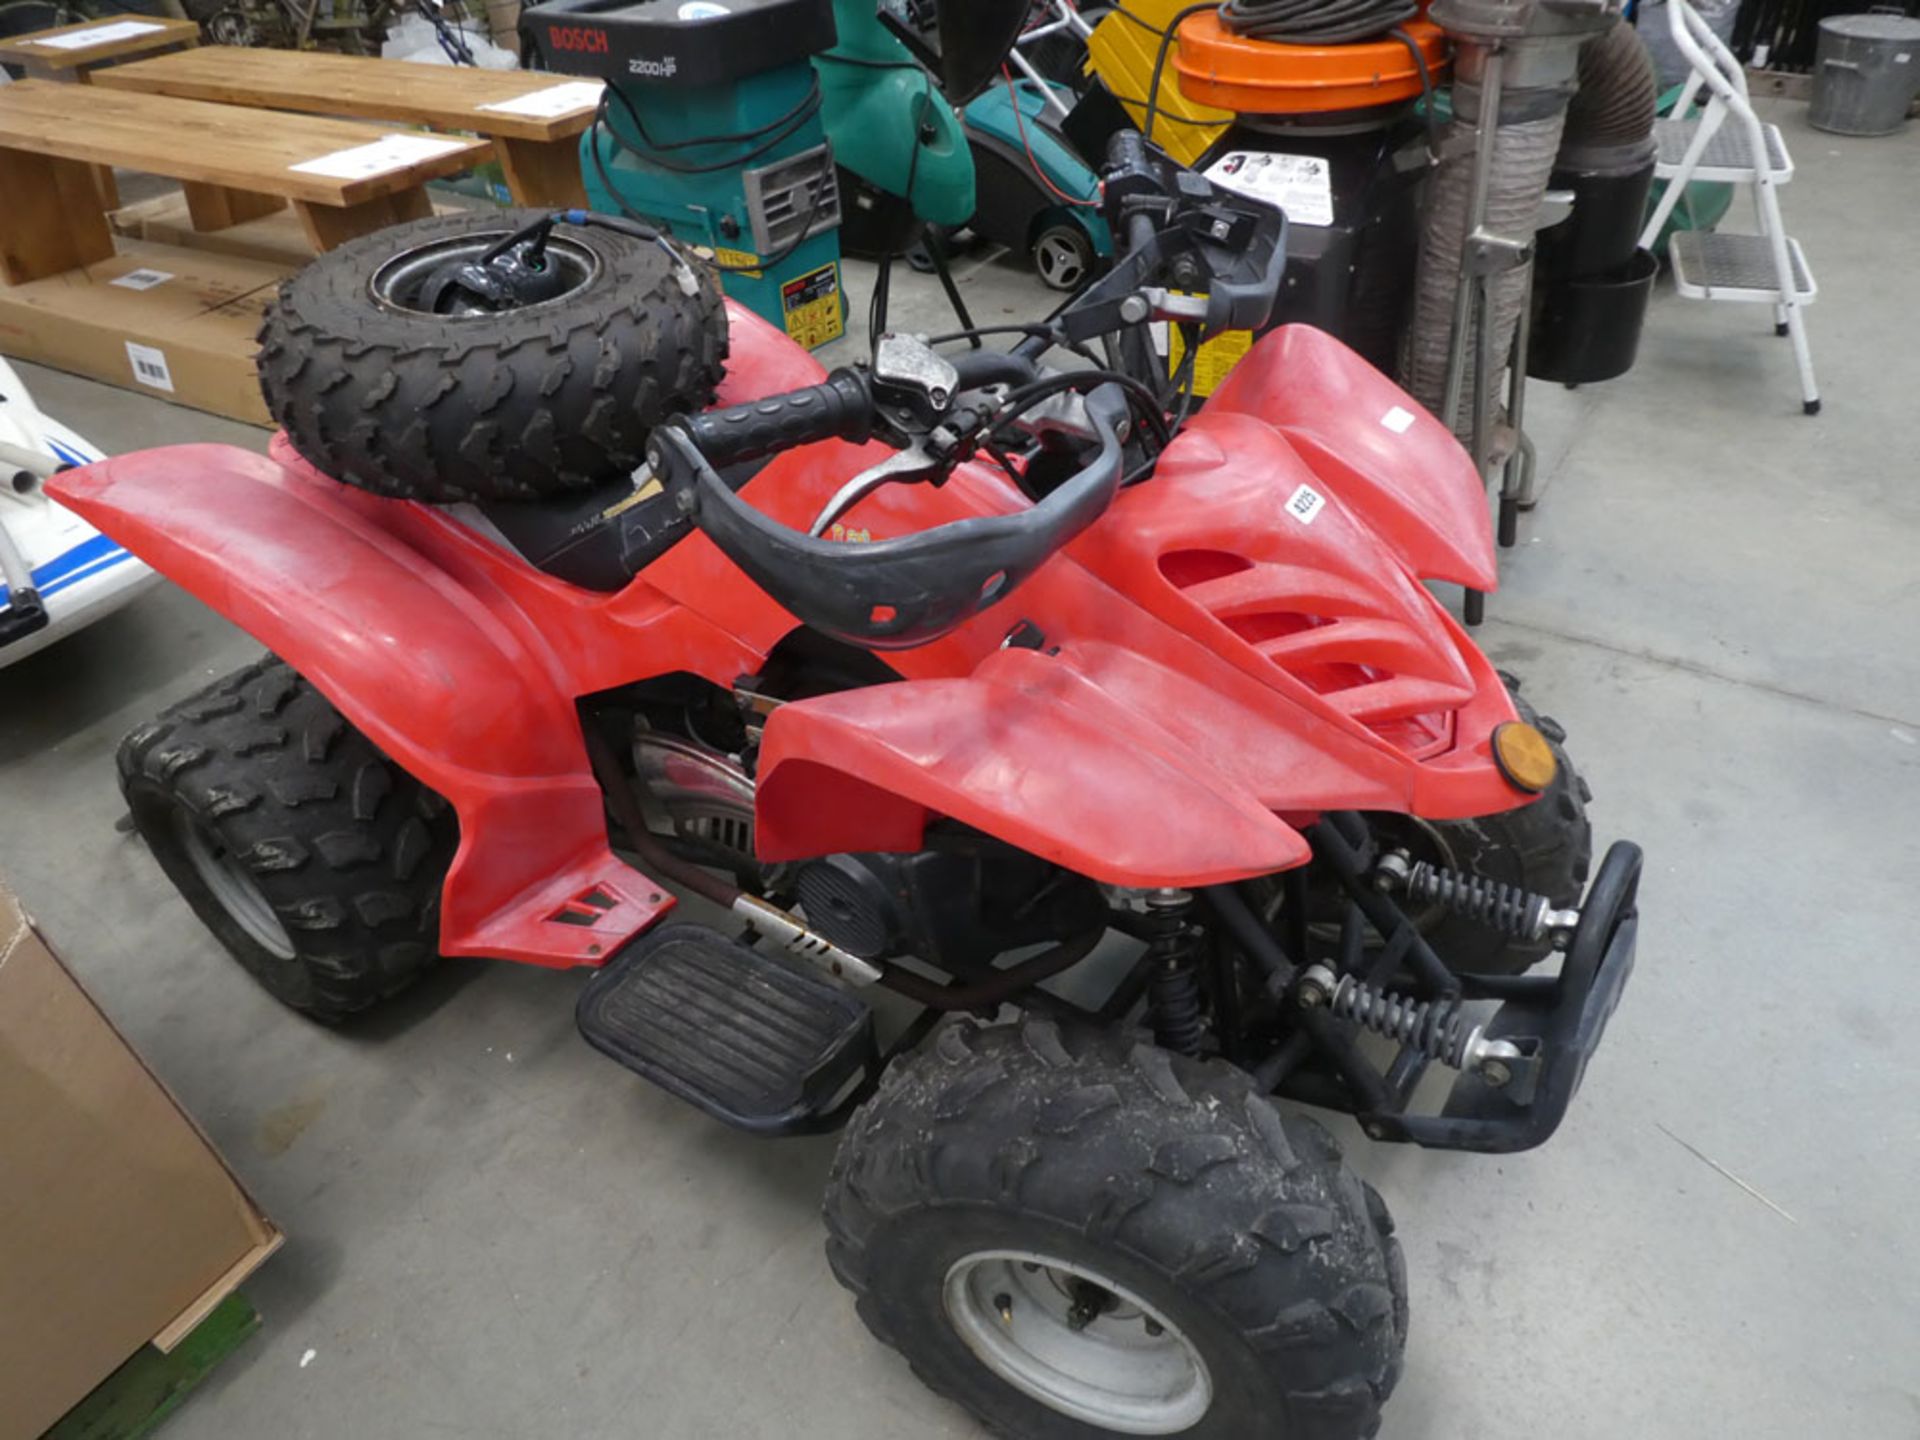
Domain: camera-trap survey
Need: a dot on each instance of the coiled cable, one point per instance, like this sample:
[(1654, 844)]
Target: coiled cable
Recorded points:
[(1315, 22)]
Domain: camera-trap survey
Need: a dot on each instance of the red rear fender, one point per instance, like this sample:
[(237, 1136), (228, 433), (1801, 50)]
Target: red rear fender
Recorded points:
[(1027, 749), (464, 694), (1379, 451)]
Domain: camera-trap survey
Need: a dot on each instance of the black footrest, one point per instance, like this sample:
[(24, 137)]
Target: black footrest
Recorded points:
[(750, 1040)]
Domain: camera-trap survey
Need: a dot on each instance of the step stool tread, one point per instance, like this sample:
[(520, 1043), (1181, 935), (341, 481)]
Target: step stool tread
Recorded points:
[(1716, 266), (743, 1035), (1728, 150)]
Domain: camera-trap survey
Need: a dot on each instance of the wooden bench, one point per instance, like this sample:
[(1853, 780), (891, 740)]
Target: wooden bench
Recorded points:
[(73, 53), (235, 165), (537, 138)]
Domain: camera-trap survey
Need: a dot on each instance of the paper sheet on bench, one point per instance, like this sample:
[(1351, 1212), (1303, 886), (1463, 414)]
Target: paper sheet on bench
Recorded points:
[(389, 152), (552, 102), (98, 35)]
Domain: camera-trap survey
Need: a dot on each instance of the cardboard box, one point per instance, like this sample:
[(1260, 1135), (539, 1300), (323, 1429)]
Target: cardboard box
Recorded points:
[(175, 323), (119, 1223)]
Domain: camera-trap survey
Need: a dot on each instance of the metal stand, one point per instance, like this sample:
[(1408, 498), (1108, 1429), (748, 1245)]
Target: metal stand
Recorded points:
[(883, 288), (1483, 256), (1516, 480)]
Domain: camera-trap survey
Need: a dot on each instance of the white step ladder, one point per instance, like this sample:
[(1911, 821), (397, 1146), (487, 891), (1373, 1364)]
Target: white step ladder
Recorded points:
[(1730, 144)]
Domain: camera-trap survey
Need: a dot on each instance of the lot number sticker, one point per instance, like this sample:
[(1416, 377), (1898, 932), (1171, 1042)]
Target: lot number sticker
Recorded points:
[(1306, 503)]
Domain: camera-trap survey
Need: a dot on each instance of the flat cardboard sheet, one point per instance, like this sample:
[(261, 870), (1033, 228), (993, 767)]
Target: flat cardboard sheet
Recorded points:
[(118, 1220)]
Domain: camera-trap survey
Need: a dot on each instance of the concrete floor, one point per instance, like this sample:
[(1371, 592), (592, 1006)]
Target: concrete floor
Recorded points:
[(495, 1232)]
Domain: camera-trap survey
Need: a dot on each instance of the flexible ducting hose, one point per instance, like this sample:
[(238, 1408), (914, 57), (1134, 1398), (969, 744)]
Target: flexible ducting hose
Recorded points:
[(1536, 126), (1523, 158), (1610, 119)]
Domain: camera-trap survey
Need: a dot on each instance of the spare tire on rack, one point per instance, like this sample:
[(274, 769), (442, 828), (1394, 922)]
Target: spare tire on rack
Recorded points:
[(387, 376)]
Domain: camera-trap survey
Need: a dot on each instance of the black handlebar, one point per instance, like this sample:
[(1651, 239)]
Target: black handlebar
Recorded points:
[(839, 407), (896, 593)]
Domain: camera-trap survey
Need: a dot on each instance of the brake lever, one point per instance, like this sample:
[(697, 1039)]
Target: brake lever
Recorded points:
[(912, 463)]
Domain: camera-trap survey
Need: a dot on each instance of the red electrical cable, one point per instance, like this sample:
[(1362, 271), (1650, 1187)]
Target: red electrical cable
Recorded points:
[(1020, 119)]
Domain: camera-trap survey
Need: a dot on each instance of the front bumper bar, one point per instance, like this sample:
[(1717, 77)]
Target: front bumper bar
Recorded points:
[(1557, 1022)]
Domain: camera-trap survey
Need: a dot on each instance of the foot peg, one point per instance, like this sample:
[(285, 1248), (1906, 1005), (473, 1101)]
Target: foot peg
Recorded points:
[(749, 1039)]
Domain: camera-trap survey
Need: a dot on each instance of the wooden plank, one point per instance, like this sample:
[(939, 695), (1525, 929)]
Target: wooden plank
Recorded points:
[(52, 220), (444, 96), (543, 172), (331, 225), (214, 144), (215, 207), (33, 50)]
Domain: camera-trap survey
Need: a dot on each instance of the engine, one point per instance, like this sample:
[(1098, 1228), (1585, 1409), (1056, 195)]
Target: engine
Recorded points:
[(959, 904)]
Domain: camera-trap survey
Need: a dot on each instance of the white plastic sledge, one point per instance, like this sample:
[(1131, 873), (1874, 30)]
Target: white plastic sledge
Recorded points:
[(57, 573)]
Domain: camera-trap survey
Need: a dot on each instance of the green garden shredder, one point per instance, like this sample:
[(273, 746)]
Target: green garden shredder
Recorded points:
[(719, 127)]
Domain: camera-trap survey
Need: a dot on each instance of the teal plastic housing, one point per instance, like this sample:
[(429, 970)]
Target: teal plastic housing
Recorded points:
[(890, 124), (676, 177)]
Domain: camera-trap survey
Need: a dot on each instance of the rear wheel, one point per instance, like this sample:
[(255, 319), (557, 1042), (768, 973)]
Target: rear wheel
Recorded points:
[(1076, 1236), (1063, 256), (315, 860)]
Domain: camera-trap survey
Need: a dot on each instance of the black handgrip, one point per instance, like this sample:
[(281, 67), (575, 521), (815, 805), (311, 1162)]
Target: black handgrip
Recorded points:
[(840, 407)]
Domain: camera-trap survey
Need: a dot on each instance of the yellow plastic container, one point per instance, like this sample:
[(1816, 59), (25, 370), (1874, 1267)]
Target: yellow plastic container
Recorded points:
[(1121, 53)]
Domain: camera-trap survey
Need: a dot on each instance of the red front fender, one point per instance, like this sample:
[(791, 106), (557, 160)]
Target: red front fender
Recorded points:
[(1027, 749), (456, 684), (1376, 447)]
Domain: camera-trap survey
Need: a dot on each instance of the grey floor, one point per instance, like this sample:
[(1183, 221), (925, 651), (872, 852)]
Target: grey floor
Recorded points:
[(495, 1232)]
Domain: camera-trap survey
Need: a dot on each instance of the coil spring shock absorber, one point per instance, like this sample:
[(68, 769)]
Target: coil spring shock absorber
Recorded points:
[(1523, 914), (1173, 985), (1436, 1029)]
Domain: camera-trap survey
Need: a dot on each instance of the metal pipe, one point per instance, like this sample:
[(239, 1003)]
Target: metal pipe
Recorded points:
[(1486, 133), (36, 463)]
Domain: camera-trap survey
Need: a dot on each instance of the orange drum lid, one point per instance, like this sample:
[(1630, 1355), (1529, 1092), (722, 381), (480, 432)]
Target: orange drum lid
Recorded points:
[(1263, 77)]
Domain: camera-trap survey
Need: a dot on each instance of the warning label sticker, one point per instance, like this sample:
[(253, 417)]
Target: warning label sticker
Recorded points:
[(1301, 185), (1213, 363), (810, 304), (743, 263)]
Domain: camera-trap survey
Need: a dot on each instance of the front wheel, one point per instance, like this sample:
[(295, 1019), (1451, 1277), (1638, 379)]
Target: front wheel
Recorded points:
[(1076, 1236), (1545, 847)]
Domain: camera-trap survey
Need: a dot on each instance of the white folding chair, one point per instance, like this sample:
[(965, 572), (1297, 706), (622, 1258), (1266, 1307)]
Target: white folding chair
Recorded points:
[(1728, 143)]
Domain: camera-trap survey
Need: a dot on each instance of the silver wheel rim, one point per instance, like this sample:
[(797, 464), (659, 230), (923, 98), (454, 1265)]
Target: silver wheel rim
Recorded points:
[(1125, 1368), (397, 284), (1059, 261), (237, 891)]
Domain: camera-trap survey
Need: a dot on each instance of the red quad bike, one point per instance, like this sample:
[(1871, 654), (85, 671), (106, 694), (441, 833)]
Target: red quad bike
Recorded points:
[(932, 674)]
